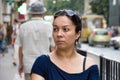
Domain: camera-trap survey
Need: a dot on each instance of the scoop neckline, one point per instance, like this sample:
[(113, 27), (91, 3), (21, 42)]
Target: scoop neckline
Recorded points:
[(68, 72)]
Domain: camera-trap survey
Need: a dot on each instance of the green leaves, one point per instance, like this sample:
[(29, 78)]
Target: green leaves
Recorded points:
[(100, 7), (9, 1), (55, 5)]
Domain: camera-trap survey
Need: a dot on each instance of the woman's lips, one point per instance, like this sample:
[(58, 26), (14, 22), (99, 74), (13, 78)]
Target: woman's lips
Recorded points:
[(60, 42)]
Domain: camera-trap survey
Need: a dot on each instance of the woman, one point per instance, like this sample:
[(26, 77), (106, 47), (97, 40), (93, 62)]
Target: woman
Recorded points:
[(64, 63), (3, 42)]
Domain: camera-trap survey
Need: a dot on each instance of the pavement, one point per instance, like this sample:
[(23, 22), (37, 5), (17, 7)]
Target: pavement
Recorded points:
[(7, 69)]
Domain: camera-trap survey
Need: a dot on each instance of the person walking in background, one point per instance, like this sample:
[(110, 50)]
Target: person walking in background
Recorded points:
[(65, 63), (34, 39), (3, 41), (115, 32), (15, 30)]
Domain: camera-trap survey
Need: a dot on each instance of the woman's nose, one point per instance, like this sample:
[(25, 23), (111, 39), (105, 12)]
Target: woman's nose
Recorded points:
[(60, 32)]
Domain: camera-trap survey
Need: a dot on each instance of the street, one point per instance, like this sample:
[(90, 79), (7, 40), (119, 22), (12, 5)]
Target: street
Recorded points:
[(107, 52), (7, 69)]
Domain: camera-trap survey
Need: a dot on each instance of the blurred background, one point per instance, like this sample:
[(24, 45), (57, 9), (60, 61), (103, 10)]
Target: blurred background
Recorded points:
[(100, 35), (18, 9)]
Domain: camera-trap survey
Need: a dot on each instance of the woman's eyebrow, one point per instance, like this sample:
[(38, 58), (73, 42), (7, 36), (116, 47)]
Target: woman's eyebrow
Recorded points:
[(54, 25)]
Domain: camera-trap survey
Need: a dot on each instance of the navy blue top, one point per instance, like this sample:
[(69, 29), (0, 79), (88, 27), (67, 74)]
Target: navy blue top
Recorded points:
[(47, 69)]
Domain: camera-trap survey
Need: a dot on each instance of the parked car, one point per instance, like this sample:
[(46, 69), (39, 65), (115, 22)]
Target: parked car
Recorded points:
[(115, 42), (99, 37)]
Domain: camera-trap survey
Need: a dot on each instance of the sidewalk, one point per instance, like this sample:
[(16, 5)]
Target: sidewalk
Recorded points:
[(7, 69)]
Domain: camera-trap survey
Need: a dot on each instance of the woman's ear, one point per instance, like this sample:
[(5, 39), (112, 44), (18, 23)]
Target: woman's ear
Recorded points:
[(78, 35)]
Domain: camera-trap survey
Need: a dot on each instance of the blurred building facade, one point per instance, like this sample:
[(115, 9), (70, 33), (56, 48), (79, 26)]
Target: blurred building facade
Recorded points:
[(114, 13), (87, 7), (0, 10), (8, 12)]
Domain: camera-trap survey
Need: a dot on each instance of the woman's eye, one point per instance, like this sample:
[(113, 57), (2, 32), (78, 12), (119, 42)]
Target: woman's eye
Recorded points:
[(66, 29), (55, 29)]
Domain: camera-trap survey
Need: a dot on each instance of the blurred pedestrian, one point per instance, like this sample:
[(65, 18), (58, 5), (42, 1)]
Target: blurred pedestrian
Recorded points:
[(15, 30), (64, 63), (3, 42), (115, 31), (34, 39)]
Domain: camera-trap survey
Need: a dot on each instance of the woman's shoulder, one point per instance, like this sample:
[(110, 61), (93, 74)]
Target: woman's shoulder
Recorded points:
[(42, 60), (43, 57), (90, 62)]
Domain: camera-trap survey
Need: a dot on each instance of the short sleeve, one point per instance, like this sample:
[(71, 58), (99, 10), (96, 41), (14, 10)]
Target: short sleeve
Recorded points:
[(94, 73), (40, 66)]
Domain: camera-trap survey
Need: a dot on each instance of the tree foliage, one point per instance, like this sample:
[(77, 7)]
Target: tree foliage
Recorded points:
[(100, 7), (55, 5)]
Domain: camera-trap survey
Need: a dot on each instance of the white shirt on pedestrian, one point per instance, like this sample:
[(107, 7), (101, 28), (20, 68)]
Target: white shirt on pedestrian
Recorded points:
[(35, 37)]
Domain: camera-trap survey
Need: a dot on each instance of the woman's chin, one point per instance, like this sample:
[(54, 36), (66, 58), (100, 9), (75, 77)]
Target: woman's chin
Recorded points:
[(61, 47)]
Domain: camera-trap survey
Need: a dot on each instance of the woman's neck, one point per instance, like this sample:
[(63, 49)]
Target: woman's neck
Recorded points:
[(65, 53)]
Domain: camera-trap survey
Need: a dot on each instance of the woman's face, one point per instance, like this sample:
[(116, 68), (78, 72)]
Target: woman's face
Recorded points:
[(64, 32)]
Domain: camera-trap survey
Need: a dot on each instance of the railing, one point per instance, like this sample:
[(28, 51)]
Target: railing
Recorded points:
[(109, 69)]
